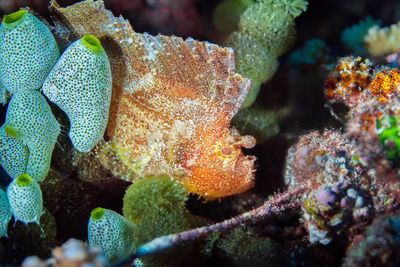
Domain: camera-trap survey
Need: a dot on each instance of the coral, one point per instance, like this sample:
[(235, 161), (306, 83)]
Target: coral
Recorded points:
[(266, 30), (227, 14), (5, 213), (243, 247), (29, 118), (385, 84), (329, 210), (388, 134), (28, 51), (348, 79), (80, 84), (353, 37), (314, 52), (378, 245), (112, 233), (147, 199), (259, 122), (13, 154), (383, 41), (253, 61), (25, 199), (339, 191), (73, 253), (156, 206), (194, 83)]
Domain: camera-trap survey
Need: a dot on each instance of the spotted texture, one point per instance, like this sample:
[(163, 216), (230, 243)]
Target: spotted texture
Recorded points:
[(3, 94), (5, 213), (113, 233), (28, 51), (29, 115), (25, 201), (13, 154), (172, 103), (80, 84)]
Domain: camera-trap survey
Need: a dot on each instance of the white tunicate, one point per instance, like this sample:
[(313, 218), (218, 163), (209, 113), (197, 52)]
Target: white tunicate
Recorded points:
[(13, 154), (30, 118), (80, 84), (25, 198), (28, 51), (111, 232)]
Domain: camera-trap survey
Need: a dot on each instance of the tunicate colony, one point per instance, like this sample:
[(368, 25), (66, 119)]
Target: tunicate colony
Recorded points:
[(79, 83)]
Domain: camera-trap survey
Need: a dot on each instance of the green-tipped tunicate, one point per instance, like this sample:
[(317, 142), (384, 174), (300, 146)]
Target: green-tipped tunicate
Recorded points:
[(5, 213), (25, 198), (29, 118), (111, 232), (80, 84), (13, 154), (28, 51)]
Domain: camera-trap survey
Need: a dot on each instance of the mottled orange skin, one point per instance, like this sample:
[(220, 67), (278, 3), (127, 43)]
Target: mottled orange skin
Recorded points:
[(172, 103), (221, 169)]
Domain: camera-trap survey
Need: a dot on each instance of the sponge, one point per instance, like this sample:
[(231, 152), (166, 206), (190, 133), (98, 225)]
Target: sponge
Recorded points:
[(5, 213), (13, 154), (25, 199), (29, 118), (112, 232), (80, 84), (28, 51)]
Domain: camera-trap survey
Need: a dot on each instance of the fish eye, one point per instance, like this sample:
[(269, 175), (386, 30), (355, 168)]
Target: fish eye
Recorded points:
[(225, 150)]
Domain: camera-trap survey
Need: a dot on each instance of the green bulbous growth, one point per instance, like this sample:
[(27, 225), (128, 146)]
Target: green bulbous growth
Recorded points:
[(28, 51), (156, 205), (227, 14), (80, 84), (97, 213), (259, 122), (151, 197), (388, 132), (111, 232), (252, 60), (274, 28), (14, 17), (266, 30), (5, 213), (25, 199), (23, 180), (92, 43), (31, 120), (13, 153)]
